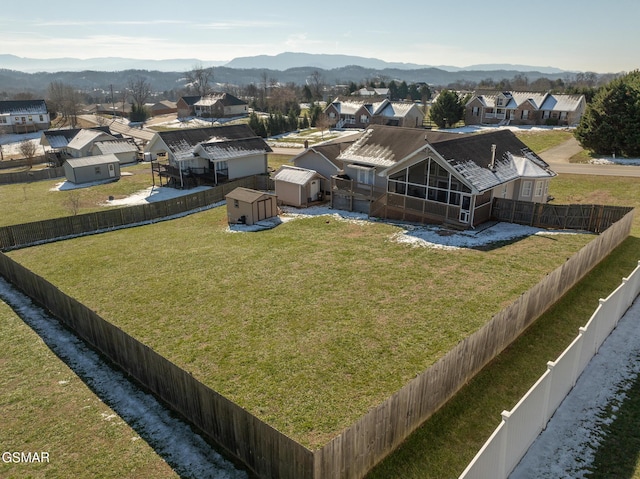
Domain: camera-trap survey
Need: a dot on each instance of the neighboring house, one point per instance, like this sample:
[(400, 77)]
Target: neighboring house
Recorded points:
[(353, 113), (209, 155), (119, 108), (55, 142), (215, 105), (524, 108), (370, 91), (125, 149), (323, 158), (246, 206), (92, 168), (164, 107), (299, 186), (23, 116), (436, 177), (82, 143)]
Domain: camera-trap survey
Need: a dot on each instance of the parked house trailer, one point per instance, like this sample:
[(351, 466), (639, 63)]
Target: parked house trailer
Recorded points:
[(246, 206), (92, 168)]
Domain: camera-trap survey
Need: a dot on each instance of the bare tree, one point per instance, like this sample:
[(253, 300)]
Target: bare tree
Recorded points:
[(323, 123), (199, 79), (63, 99), (28, 151), (140, 90), (316, 84), (73, 202)]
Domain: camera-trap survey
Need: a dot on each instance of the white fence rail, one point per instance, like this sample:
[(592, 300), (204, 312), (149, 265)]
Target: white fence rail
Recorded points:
[(521, 426)]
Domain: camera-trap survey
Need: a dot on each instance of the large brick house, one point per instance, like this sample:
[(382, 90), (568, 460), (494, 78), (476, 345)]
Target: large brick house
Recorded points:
[(524, 108)]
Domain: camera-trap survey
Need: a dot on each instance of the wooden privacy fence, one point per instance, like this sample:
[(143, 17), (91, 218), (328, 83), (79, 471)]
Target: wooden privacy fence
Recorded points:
[(357, 449), (31, 175), (595, 218), (263, 450), (17, 236), (521, 426), (352, 453)]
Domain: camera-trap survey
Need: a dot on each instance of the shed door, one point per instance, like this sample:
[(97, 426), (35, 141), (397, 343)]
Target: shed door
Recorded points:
[(112, 171), (314, 190)]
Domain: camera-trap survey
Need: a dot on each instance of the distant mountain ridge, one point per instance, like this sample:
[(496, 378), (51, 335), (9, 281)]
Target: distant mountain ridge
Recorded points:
[(281, 62), (287, 60), (109, 64)]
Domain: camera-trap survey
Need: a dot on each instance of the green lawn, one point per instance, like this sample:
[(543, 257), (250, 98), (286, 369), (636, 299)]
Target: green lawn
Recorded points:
[(37, 201), (308, 325), (541, 140), (45, 407), (448, 441)]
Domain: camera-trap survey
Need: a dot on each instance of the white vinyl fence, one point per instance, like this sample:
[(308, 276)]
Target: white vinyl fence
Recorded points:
[(521, 426)]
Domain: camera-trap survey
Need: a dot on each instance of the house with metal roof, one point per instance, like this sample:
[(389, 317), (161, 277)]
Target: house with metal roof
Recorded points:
[(92, 168), (82, 143), (23, 116), (524, 108), (210, 155), (56, 141), (125, 149), (299, 186), (436, 177), (360, 113)]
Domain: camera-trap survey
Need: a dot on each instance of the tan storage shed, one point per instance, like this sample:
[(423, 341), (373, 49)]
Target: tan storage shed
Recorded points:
[(246, 206)]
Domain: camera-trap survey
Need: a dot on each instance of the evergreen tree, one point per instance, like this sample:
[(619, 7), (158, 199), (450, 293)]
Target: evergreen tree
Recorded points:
[(447, 110), (403, 91), (611, 122)]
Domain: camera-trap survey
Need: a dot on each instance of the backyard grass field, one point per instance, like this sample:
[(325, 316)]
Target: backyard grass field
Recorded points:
[(47, 408), (308, 325)]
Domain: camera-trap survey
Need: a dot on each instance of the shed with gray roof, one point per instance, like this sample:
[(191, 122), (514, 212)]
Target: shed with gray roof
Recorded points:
[(298, 186), (92, 168)]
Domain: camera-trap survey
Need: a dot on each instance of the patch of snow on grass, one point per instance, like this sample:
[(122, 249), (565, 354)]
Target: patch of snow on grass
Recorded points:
[(567, 447), (187, 453)]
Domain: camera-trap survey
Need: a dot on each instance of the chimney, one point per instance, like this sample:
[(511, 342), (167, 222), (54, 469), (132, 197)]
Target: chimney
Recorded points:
[(492, 165)]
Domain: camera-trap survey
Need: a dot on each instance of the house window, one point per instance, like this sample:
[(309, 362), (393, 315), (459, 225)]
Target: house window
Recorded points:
[(475, 111), (500, 102), (30, 118), (524, 114), (526, 189), (222, 166), (364, 119), (97, 170), (539, 188), (3, 119), (236, 204), (332, 115), (41, 118)]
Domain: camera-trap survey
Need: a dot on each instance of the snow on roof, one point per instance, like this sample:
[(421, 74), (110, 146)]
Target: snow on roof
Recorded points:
[(120, 145), (23, 107), (295, 175), (93, 160), (84, 137)]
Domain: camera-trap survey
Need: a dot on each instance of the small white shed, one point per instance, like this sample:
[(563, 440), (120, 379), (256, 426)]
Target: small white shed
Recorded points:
[(92, 168), (298, 186)]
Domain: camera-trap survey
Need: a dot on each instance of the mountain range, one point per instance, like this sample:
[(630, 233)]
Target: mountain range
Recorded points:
[(281, 62)]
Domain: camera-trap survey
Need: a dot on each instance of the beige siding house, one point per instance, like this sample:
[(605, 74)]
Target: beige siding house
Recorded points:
[(246, 206), (524, 108)]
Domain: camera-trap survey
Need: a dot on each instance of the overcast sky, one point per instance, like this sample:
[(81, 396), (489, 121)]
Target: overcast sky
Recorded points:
[(582, 35)]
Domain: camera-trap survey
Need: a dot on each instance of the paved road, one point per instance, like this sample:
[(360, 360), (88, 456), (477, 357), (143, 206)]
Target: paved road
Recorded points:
[(558, 159)]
